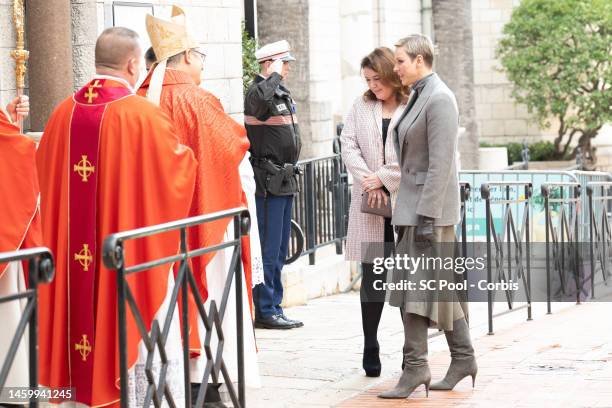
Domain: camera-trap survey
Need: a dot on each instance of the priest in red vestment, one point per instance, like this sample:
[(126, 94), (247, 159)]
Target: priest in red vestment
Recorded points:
[(224, 180), (19, 229), (108, 161)]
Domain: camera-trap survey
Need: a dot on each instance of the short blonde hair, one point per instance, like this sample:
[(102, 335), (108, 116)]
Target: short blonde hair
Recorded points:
[(418, 44)]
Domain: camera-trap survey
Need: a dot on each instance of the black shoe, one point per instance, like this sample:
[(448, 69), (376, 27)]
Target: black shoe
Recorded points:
[(212, 398), (296, 323), (273, 322), (371, 361)]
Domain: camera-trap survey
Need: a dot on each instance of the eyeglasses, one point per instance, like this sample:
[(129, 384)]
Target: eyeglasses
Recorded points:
[(201, 54)]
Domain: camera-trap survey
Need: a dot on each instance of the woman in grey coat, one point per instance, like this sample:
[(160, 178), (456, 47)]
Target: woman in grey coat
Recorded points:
[(426, 213), (370, 158)]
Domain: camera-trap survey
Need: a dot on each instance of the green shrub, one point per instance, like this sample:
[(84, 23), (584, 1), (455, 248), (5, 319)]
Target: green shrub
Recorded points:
[(250, 67)]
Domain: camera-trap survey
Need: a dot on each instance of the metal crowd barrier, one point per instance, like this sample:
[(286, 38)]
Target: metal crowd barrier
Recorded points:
[(114, 258), (320, 208), (464, 195), (512, 236), (600, 234), (563, 238), (40, 270)]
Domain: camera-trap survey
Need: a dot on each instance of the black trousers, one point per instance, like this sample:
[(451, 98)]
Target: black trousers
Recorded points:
[(372, 300)]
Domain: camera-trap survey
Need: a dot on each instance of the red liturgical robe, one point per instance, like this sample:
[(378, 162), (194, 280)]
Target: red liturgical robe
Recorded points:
[(108, 161), (19, 216)]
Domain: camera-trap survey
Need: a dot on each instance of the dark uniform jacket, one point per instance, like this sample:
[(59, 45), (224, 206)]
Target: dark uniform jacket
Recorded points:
[(272, 129)]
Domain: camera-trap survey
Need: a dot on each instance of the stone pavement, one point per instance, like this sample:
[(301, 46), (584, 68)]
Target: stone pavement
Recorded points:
[(558, 360)]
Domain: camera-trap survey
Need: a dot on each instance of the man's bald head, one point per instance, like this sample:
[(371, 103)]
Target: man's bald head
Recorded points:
[(115, 46), (118, 53)]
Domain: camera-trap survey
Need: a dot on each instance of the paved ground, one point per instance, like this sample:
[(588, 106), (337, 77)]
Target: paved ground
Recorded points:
[(558, 360)]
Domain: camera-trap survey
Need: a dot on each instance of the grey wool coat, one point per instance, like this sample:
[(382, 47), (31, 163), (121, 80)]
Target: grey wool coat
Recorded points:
[(425, 140), (362, 153)]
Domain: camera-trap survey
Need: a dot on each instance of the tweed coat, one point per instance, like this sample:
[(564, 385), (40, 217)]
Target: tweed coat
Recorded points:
[(362, 153)]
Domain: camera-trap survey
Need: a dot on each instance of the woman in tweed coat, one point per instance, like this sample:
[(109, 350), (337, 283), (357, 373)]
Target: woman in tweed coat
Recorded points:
[(370, 158)]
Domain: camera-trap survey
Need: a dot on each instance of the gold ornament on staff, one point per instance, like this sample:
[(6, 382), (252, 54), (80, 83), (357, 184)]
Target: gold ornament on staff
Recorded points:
[(19, 54)]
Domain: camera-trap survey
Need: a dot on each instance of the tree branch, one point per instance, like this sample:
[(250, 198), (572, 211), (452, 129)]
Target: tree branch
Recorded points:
[(571, 137)]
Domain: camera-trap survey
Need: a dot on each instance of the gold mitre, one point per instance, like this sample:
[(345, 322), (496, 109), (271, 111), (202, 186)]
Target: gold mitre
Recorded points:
[(169, 38)]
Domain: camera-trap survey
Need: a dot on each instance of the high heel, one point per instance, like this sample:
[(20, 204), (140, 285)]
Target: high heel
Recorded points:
[(411, 378), (458, 370), (371, 361), (463, 362), (416, 370)]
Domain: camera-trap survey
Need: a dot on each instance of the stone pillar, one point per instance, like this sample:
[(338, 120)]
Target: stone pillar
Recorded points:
[(455, 65), (50, 66), (84, 35), (357, 40), (288, 20)]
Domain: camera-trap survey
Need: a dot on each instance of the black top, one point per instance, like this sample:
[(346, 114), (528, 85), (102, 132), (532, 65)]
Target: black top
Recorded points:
[(272, 130), (385, 129)]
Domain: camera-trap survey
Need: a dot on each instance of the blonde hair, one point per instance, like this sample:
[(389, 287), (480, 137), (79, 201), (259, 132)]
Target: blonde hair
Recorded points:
[(418, 44)]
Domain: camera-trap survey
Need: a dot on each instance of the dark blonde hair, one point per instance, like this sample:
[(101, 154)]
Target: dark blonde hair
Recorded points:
[(381, 61), (418, 44)]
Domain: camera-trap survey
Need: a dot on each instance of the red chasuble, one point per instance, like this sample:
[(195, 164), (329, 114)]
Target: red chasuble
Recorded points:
[(19, 215), (108, 161), (219, 143)]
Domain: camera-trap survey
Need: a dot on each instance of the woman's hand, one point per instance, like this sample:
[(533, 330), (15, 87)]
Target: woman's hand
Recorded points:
[(371, 182), (18, 108), (377, 198)]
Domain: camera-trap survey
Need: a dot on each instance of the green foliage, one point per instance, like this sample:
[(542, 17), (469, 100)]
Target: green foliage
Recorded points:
[(557, 54), (250, 67), (538, 151)]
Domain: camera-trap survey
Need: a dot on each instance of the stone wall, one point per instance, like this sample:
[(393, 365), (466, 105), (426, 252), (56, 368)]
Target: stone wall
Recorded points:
[(288, 20), (216, 24), (394, 20), (500, 119), (7, 44), (325, 73)]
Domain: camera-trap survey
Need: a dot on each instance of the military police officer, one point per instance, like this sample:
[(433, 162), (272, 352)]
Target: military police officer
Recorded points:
[(273, 131)]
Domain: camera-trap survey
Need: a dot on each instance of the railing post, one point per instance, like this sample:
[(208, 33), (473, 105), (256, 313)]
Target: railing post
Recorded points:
[(121, 312), (591, 252), (545, 193), (309, 182), (34, 271), (528, 195), (338, 203), (465, 193), (577, 244), (485, 192), (184, 282), (509, 237), (240, 226)]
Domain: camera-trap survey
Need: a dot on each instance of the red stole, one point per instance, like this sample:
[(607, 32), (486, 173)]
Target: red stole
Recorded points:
[(91, 102)]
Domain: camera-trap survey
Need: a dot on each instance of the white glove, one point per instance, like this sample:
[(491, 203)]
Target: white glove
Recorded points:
[(276, 66)]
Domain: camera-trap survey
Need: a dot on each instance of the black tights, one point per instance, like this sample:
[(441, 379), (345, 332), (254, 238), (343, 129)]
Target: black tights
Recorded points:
[(373, 301)]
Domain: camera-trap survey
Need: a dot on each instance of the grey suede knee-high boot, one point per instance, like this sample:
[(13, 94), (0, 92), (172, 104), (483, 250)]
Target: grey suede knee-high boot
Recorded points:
[(463, 362), (416, 370)]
